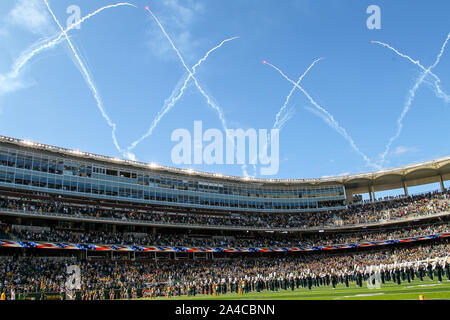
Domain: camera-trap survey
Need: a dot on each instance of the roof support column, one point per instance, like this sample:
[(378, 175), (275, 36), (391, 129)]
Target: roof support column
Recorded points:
[(372, 193), (405, 188), (442, 183), (348, 197)]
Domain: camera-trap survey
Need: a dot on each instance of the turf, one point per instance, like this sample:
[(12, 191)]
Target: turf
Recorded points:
[(389, 291)]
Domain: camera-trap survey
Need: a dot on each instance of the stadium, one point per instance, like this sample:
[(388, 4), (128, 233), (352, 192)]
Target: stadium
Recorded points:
[(142, 231), (206, 158)]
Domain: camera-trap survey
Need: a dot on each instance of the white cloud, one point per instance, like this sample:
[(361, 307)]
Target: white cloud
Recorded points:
[(183, 15), (130, 156), (30, 15), (177, 17), (9, 85), (337, 175), (402, 150)]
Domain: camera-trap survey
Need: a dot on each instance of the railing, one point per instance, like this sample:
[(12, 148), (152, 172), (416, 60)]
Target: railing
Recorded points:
[(214, 249)]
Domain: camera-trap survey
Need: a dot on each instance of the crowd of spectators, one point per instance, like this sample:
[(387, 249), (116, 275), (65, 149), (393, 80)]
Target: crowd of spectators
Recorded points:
[(33, 274), (415, 206), (420, 205)]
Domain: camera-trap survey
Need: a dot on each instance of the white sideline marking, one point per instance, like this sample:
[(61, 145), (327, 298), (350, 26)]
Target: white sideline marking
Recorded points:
[(425, 285), (391, 294), (362, 295)]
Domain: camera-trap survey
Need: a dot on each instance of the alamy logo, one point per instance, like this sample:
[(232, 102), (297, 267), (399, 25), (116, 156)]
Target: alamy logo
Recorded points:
[(231, 149), (75, 16), (374, 281), (73, 281), (374, 20)]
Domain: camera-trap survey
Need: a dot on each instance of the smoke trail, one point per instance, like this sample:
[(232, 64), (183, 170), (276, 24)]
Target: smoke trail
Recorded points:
[(282, 117), (210, 51), (330, 119), (277, 123), (88, 79), (27, 55), (285, 118), (439, 92), (209, 101), (173, 99), (412, 93)]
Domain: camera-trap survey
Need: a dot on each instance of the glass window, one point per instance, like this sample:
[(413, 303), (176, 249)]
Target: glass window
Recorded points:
[(12, 159), (28, 162), (101, 189), (44, 165), (3, 158), (19, 178), (110, 172), (27, 179), (59, 167), (51, 166), (10, 177), (85, 171), (70, 169), (35, 181), (51, 183), (20, 162), (36, 164)]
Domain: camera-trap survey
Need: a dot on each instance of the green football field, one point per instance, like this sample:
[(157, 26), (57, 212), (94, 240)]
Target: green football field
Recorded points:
[(389, 291)]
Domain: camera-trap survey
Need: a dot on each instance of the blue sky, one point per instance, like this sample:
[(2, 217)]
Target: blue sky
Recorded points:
[(363, 85)]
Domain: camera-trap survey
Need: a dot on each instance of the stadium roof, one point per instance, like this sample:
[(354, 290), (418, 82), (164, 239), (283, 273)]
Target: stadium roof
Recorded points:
[(415, 174)]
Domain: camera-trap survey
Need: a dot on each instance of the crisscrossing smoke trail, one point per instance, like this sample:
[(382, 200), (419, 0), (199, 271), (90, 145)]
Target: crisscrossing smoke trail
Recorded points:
[(19, 64), (280, 121), (413, 90), (174, 98), (282, 117), (439, 92), (208, 99), (29, 53), (328, 118), (88, 79)]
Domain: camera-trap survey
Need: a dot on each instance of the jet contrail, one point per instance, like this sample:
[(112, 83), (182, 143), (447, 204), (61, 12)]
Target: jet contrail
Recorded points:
[(88, 79), (27, 55), (209, 101), (172, 100), (437, 82), (278, 124), (280, 120), (331, 121), (412, 91)]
